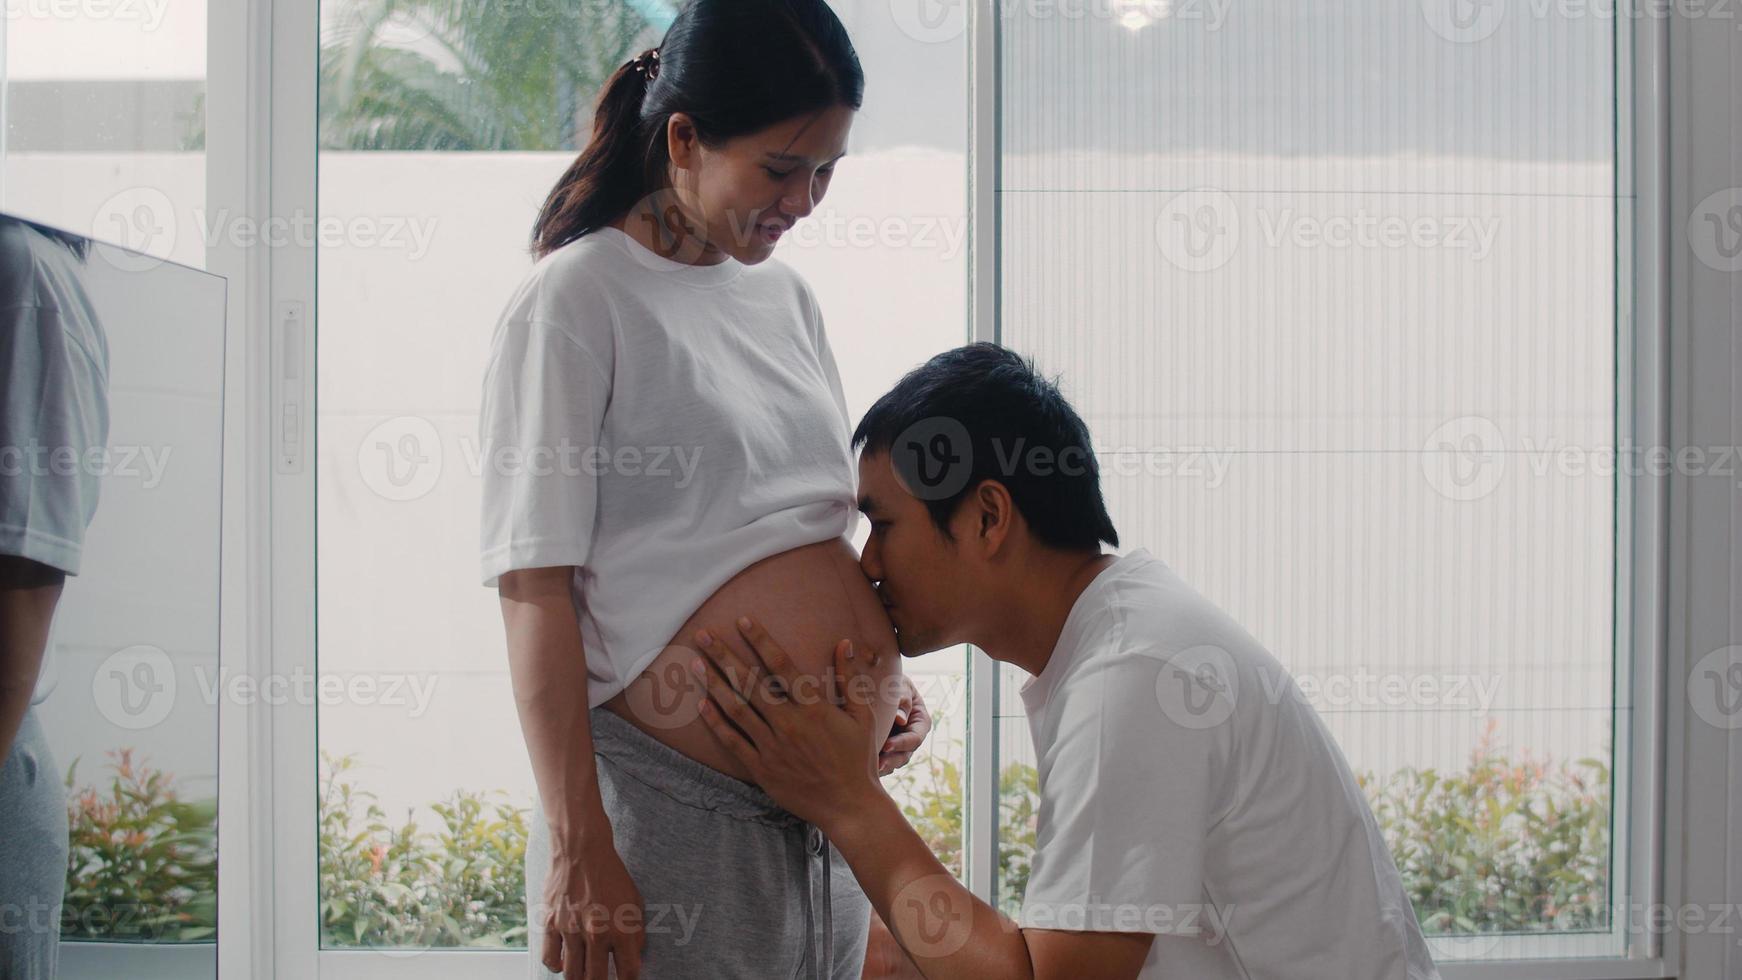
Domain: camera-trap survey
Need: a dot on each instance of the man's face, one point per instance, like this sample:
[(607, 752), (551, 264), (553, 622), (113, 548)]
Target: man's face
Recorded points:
[(921, 576)]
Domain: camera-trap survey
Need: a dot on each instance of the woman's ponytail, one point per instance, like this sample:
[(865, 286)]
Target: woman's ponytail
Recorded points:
[(608, 176), (733, 67)]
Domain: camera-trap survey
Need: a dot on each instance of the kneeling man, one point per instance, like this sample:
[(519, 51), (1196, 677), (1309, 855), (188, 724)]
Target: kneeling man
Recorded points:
[(1196, 818)]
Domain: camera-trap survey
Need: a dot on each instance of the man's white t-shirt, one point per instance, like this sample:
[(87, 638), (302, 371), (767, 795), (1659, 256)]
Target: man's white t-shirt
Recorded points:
[(54, 409), (659, 426), (1187, 789)]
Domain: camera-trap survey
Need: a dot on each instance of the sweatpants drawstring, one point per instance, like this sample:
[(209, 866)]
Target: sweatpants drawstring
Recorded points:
[(816, 844)]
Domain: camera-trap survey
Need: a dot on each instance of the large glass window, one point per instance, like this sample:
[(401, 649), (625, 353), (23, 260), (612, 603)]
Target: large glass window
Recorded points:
[(102, 135), (1334, 285)]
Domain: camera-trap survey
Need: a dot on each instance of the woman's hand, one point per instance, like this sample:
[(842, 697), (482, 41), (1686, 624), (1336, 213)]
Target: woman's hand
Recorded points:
[(809, 742), (912, 725), (592, 911)]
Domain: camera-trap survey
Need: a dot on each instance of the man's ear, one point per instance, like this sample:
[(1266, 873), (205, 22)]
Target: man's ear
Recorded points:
[(994, 514)]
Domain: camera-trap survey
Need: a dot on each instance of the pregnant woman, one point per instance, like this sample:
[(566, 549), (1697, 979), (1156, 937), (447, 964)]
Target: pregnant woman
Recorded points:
[(666, 446)]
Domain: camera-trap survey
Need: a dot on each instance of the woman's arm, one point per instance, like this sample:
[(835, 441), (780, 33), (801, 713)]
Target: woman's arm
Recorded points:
[(592, 908), (548, 668), (28, 593)]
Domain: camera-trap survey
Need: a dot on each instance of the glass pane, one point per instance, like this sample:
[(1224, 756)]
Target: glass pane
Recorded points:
[(1334, 286), (104, 122), (457, 154), (102, 138), (110, 492)]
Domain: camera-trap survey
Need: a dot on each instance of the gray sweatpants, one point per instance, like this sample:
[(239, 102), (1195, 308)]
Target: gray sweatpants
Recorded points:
[(733, 886), (33, 856)]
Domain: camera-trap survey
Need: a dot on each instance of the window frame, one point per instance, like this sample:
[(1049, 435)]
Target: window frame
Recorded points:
[(263, 64)]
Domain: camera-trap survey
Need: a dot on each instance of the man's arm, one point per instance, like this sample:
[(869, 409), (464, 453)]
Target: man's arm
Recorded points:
[(951, 934), (815, 759)]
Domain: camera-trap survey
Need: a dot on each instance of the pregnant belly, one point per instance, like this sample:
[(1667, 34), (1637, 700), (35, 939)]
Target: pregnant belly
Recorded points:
[(808, 599)]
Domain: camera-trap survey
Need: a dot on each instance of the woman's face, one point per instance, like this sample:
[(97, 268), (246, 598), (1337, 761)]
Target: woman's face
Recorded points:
[(748, 192)]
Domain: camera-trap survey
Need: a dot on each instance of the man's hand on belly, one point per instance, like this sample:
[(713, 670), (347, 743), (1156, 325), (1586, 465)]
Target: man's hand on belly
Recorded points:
[(816, 758)]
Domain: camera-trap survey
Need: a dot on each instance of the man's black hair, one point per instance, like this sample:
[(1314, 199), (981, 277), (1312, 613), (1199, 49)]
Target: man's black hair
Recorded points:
[(981, 412)]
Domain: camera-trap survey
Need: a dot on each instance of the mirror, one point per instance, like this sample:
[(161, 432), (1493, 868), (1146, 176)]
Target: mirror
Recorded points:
[(111, 441)]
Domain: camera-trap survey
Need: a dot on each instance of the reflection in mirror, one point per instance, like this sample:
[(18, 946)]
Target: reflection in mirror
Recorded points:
[(111, 436)]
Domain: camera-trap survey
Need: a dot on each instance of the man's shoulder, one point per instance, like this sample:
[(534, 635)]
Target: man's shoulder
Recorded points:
[(1156, 629), (1152, 611)]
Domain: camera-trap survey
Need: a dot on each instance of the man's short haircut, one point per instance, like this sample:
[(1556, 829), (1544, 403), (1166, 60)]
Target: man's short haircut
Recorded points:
[(1018, 430)]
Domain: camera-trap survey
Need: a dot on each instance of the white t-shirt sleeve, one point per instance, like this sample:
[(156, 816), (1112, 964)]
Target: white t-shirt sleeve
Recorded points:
[(53, 413), (545, 391), (1125, 805)]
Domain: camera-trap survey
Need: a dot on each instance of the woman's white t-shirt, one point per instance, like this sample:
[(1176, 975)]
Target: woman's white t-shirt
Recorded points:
[(659, 426)]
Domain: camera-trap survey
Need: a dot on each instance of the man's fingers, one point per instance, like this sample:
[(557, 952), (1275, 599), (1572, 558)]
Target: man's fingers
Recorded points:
[(857, 687), (773, 656), (574, 956), (596, 960), (905, 742), (628, 955), (739, 674), (552, 957), (730, 737), (733, 705)]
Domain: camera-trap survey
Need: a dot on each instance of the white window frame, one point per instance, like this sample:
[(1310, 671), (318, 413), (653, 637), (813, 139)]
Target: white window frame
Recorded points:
[(264, 59)]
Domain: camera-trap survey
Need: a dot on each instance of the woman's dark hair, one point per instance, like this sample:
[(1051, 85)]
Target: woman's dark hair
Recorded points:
[(78, 244), (734, 67), (981, 412)]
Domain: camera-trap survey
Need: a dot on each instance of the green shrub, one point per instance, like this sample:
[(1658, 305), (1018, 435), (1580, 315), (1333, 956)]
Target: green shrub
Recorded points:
[(1507, 845), (461, 885), (141, 862)]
